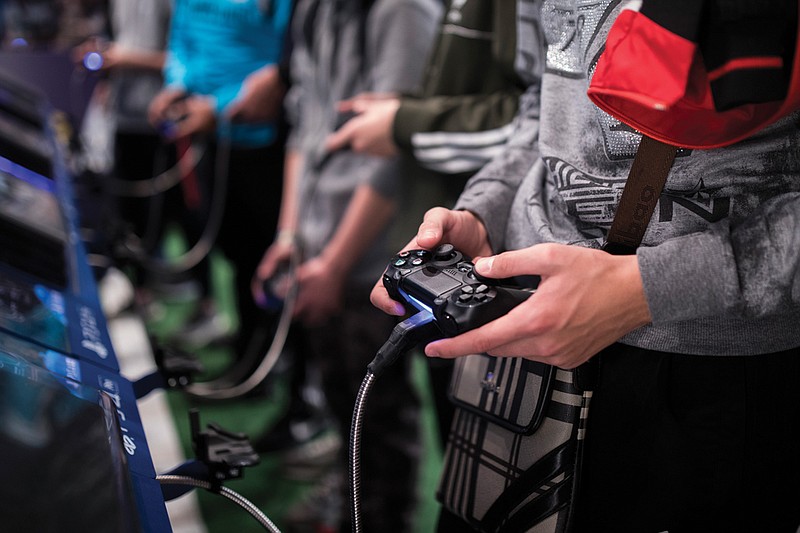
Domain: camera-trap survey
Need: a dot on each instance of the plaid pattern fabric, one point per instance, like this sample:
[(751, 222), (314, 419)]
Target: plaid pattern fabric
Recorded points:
[(514, 446)]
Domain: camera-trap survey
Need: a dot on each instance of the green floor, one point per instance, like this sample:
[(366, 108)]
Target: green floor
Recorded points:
[(264, 485)]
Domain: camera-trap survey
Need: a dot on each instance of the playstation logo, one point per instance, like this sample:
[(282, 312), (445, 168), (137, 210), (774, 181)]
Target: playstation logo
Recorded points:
[(489, 384)]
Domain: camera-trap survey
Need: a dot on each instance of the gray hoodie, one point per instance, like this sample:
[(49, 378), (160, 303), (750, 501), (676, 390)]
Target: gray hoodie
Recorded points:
[(720, 257), (336, 55)]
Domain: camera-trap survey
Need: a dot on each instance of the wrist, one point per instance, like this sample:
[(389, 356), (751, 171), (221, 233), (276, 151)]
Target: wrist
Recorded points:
[(285, 237), (333, 263)]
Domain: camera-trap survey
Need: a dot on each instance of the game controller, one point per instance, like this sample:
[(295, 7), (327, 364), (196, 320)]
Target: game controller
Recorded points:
[(444, 282), (276, 288)]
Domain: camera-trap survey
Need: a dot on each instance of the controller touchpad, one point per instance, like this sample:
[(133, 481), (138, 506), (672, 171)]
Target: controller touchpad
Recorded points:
[(430, 282)]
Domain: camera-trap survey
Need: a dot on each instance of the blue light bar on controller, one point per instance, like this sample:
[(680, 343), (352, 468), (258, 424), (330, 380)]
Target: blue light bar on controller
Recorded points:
[(415, 302), (93, 61)]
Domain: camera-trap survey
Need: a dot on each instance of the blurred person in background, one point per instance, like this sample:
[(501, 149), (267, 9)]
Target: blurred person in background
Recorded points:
[(337, 209), (217, 52), (456, 123), (119, 139)]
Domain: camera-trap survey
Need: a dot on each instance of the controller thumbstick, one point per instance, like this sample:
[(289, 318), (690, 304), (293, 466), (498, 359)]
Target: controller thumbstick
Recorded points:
[(445, 252)]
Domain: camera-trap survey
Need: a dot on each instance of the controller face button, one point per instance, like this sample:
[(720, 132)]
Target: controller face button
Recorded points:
[(399, 262), (417, 261), (404, 254), (421, 253)]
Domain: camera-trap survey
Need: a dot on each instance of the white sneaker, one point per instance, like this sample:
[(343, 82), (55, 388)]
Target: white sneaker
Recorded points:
[(115, 291), (204, 329)]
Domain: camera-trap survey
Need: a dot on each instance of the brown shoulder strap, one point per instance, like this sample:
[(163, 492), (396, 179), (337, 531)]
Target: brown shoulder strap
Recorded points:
[(639, 197)]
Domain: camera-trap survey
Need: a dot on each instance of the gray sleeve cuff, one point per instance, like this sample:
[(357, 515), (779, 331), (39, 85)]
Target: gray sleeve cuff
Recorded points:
[(490, 203)]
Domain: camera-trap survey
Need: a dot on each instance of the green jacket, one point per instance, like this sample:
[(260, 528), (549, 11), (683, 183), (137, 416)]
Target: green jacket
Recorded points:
[(462, 118)]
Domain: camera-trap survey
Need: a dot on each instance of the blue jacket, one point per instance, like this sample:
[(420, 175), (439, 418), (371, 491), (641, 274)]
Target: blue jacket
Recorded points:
[(215, 44)]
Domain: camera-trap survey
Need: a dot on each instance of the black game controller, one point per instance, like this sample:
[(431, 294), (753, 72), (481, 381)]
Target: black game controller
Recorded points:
[(444, 282)]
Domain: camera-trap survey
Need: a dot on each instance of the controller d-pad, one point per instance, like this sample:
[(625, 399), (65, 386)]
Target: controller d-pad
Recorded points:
[(473, 294)]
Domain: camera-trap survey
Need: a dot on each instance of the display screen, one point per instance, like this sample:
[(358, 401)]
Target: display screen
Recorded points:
[(62, 465), (33, 234)]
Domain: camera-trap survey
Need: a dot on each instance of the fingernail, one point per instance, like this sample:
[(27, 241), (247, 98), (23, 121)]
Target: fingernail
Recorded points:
[(431, 350), (485, 265)]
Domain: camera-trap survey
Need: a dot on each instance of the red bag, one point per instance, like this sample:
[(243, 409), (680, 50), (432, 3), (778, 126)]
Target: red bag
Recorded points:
[(689, 74)]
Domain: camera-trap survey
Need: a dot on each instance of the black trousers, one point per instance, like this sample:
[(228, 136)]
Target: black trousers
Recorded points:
[(684, 443), (253, 188), (390, 453), (680, 443)]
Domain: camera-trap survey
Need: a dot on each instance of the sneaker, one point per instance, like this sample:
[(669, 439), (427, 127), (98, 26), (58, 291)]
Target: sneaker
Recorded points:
[(290, 432), (176, 291), (203, 329), (320, 509), (313, 458), (116, 292), (150, 309)]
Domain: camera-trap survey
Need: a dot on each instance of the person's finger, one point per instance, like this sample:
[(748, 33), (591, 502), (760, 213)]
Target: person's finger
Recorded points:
[(346, 106), (340, 138), (234, 110), (507, 330), (540, 259), (432, 228), (380, 298)]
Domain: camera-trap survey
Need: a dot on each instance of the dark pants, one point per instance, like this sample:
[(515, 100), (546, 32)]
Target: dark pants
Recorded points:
[(684, 443), (140, 158), (252, 188), (390, 437)]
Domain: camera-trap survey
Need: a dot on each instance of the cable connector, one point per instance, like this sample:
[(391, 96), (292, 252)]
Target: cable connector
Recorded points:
[(421, 327), (224, 453), (177, 366)]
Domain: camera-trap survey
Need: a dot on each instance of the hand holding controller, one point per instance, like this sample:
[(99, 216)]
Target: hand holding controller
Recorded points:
[(445, 283), (276, 288)]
